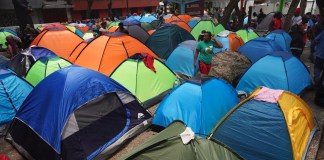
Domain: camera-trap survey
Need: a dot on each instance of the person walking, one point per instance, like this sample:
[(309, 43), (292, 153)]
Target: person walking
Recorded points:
[(205, 48)]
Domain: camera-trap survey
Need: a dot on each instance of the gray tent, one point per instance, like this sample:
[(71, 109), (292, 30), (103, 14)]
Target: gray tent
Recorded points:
[(263, 26)]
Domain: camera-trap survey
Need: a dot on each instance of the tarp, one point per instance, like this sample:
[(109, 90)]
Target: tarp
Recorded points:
[(13, 92), (148, 86), (229, 66), (263, 130), (43, 67), (199, 106), (168, 145), (105, 53), (83, 117), (25, 59), (206, 25), (258, 48), (165, 39), (277, 70)]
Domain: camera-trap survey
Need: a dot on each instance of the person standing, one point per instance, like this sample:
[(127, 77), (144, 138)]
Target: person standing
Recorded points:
[(319, 59), (205, 48), (23, 10), (296, 19)]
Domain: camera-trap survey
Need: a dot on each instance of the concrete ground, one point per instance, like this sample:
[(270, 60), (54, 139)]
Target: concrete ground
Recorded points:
[(316, 149)]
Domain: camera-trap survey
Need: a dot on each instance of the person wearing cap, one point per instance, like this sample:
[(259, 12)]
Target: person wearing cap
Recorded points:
[(296, 19)]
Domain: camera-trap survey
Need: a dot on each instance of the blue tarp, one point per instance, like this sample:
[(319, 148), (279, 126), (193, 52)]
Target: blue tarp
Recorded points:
[(283, 72), (256, 130), (13, 91), (199, 106), (282, 38), (258, 48)]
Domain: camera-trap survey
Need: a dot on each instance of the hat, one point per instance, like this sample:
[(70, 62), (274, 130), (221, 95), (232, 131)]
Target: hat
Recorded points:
[(297, 10)]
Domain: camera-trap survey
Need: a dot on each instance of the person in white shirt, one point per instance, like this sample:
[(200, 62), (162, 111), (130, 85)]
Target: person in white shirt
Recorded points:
[(296, 19)]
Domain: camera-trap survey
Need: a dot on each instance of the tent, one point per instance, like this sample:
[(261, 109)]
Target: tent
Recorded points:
[(4, 32), (114, 23), (43, 67), (229, 40), (181, 59), (21, 63), (270, 124), (163, 41), (79, 48), (131, 21), (156, 23), (184, 17), (4, 61), (13, 91), (181, 24), (148, 86), (206, 25), (138, 32), (148, 19), (85, 115), (171, 18), (135, 17), (200, 105), (169, 145), (87, 35), (76, 31), (147, 26), (105, 53), (193, 21), (60, 41), (263, 26), (229, 66), (277, 70), (258, 48), (246, 34), (282, 38)]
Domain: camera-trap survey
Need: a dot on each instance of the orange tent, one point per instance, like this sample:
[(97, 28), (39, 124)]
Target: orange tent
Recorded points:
[(60, 41), (150, 32), (235, 41), (185, 17), (82, 29), (79, 49), (113, 29), (105, 53), (172, 18), (182, 25)]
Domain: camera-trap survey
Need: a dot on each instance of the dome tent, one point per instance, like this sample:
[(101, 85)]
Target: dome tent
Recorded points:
[(247, 34), (270, 124), (89, 114), (200, 104)]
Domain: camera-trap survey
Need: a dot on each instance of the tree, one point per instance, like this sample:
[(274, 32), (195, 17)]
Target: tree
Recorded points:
[(89, 9), (290, 14), (302, 7), (320, 4), (228, 11), (109, 9)]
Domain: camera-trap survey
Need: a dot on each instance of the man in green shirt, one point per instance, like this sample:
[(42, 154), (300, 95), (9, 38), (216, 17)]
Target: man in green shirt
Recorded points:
[(205, 48)]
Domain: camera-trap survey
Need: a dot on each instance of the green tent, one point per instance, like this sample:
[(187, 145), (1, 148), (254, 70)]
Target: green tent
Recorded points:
[(44, 67), (114, 23), (247, 34), (147, 26), (147, 86), (206, 25), (168, 145), (3, 34)]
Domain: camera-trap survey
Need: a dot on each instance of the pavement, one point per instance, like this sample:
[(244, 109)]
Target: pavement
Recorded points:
[(315, 151)]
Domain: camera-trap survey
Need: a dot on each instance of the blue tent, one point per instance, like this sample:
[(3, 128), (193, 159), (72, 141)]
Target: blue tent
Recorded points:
[(192, 23), (277, 70), (76, 113), (165, 39), (131, 21), (199, 106), (258, 48), (13, 91), (24, 60), (282, 38), (135, 17), (147, 19), (182, 58)]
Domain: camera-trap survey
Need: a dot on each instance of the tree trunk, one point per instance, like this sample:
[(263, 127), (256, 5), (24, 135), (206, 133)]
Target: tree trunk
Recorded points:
[(239, 16), (290, 14), (320, 4), (228, 11), (89, 9), (303, 4), (109, 10)]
